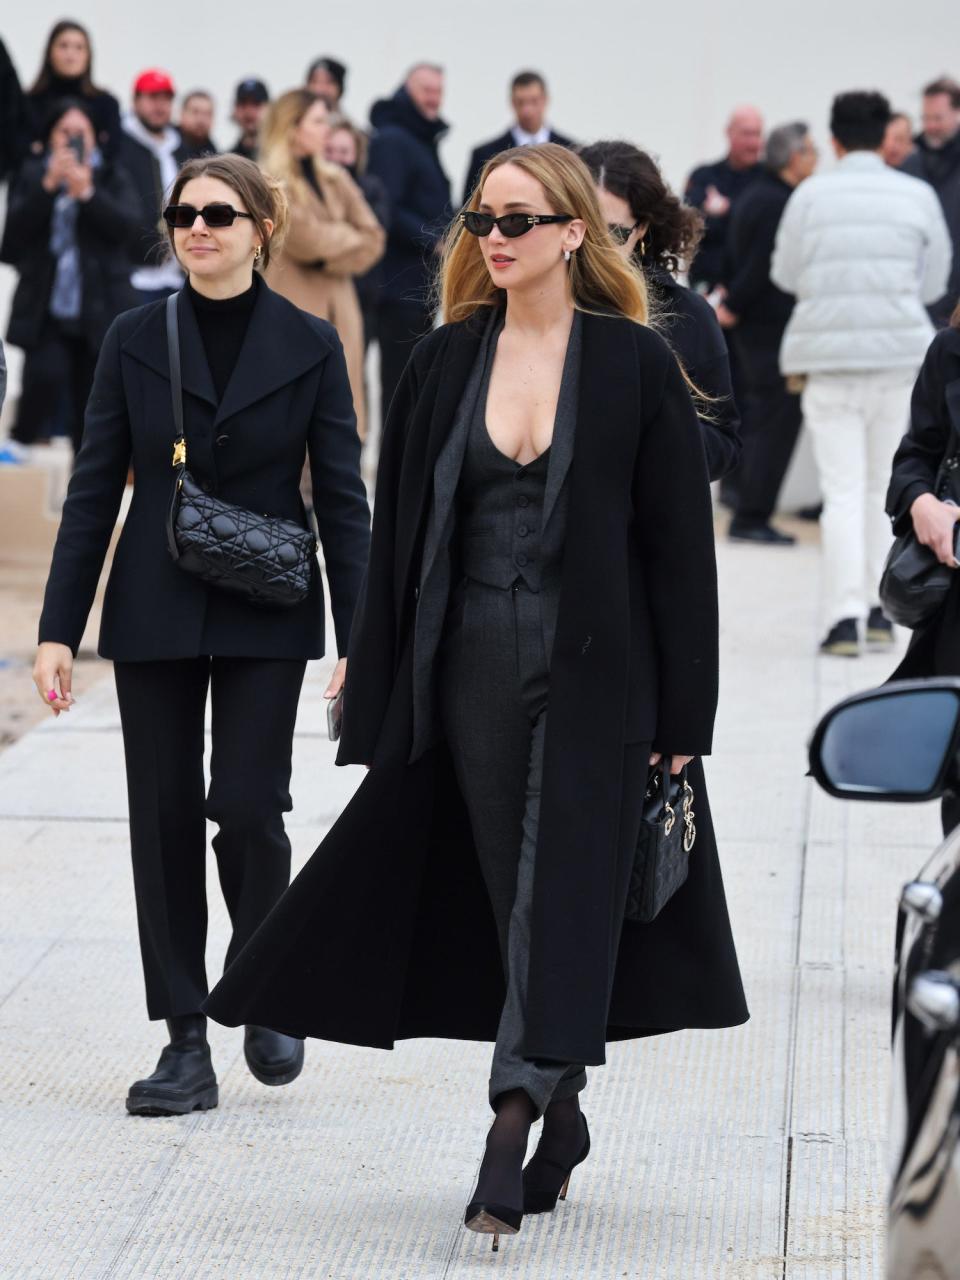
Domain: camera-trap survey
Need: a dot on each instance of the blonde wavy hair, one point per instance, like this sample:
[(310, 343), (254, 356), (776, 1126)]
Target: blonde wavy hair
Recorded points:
[(600, 280), (276, 134)]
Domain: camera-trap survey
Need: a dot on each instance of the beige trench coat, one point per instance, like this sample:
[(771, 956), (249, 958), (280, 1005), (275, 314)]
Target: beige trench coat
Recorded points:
[(342, 233)]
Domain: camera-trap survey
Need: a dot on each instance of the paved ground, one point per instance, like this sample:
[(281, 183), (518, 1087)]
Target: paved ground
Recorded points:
[(753, 1154)]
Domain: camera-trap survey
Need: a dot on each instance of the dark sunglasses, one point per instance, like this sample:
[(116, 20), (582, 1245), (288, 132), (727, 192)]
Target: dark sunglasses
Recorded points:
[(214, 215), (621, 234), (511, 224)]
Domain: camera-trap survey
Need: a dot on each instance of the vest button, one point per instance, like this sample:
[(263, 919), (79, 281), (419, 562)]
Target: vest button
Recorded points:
[(523, 531), (521, 559), (523, 501)]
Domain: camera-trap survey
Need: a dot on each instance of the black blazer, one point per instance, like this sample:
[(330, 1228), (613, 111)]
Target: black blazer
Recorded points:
[(106, 224), (288, 396), (487, 150), (934, 428)]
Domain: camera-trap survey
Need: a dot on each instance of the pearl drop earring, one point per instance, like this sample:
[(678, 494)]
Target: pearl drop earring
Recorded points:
[(566, 255)]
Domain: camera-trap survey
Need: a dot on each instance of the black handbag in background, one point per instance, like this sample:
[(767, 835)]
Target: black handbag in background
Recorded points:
[(914, 583), (267, 560), (667, 835)]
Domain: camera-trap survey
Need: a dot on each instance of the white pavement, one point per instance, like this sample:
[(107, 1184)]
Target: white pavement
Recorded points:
[(751, 1154)]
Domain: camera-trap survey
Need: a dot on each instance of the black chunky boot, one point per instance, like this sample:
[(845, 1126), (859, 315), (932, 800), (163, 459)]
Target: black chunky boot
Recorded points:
[(272, 1058), (184, 1080)]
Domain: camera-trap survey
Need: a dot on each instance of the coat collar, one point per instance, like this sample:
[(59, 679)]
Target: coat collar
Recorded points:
[(280, 344)]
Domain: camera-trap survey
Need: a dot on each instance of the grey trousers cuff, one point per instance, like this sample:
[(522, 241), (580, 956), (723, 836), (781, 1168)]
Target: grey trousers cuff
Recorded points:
[(543, 1083)]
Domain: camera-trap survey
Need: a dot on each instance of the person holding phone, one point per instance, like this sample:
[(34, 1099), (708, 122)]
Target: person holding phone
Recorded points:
[(537, 629), (263, 385), (70, 218)]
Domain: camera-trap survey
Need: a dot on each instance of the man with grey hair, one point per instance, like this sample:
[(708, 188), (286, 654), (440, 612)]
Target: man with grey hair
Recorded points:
[(755, 313), (403, 155)]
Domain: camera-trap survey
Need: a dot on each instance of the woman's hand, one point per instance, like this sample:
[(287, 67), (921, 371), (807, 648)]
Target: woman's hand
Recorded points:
[(337, 679), (933, 523), (52, 674), (676, 762), (60, 162)]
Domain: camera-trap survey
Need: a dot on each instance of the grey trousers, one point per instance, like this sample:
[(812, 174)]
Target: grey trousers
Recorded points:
[(494, 681)]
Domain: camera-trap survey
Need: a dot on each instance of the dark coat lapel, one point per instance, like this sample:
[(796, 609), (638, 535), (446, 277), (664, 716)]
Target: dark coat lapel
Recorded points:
[(427, 435), (565, 423), (278, 347)]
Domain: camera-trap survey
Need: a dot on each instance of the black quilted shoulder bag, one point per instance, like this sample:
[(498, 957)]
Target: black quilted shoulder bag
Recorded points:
[(915, 584), (667, 834), (267, 560)]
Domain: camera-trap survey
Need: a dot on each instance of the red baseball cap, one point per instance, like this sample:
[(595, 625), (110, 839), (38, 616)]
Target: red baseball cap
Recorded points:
[(153, 81)]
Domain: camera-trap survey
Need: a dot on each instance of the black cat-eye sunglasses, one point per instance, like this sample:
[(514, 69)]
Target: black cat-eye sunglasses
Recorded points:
[(511, 225)]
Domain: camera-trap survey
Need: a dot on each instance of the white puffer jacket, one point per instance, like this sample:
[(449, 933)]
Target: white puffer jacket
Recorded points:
[(863, 248)]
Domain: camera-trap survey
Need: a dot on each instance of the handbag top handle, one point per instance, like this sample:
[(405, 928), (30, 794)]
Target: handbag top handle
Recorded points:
[(176, 384)]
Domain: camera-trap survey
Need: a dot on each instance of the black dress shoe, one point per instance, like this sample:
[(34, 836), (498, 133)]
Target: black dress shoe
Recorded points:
[(184, 1080), (879, 629), (545, 1180), (272, 1058), (842, 640), (746, 531)]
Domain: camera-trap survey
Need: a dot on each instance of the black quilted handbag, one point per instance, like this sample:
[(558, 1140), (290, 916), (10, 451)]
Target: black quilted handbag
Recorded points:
[(915, 584), (667, 834), (267, 560)]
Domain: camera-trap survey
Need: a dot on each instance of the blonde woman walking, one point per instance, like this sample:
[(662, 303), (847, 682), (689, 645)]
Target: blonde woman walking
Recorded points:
[(538, 625), (333, 234)]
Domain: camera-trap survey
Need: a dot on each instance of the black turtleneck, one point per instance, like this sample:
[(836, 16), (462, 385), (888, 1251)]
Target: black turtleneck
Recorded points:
[(223, 325)]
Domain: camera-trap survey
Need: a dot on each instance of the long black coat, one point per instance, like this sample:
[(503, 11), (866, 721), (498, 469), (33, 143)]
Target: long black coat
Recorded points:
[(288, 395), (388, 931), (934, 432), (106, 224)]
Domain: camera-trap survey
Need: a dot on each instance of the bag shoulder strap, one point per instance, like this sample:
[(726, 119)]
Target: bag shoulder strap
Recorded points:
[(176, 383)]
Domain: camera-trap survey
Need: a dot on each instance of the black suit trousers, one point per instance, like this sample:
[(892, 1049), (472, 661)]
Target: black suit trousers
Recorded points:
[(771, 418), (253, 713)]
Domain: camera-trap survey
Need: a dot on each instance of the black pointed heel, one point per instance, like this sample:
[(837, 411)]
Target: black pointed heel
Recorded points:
[(498, 1219), (546, 1181)]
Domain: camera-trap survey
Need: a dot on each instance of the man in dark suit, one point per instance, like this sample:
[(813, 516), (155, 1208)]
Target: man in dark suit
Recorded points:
[(529, 99), (754, 314)]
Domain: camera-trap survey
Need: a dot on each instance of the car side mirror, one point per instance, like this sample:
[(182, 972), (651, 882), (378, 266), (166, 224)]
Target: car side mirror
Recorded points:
[(898, 742)]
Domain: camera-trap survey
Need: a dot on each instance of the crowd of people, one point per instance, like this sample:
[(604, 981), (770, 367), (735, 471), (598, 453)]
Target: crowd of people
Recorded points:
[(532, 645)]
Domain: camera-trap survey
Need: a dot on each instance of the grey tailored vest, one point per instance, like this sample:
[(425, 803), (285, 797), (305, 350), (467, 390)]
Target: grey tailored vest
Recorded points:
[(439, 563), (500, 510)]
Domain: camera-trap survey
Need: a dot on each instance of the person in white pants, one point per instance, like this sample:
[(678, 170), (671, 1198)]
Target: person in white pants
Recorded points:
[(863, 247)]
